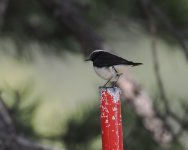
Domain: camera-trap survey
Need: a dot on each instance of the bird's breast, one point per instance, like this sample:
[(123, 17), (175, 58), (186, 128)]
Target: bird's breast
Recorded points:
[(110, 72), (104, 72)]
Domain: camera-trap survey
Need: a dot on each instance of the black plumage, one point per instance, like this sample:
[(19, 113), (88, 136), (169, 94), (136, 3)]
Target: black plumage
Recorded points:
[(106, 59)]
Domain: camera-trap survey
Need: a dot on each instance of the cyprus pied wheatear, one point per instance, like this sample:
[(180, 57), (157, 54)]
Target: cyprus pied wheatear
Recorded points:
[(109, 66)]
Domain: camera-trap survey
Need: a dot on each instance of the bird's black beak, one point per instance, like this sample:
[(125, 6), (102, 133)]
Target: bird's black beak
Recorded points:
[(87, 59)]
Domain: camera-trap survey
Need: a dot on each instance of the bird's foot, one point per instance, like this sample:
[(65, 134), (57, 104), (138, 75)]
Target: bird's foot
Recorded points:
[(118, 76), (104, 86)]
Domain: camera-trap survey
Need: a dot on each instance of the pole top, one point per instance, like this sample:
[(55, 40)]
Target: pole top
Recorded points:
[(113, 91), (108, 87)]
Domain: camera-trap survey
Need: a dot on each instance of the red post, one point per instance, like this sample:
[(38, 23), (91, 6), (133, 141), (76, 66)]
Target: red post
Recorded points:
[(111, 122)]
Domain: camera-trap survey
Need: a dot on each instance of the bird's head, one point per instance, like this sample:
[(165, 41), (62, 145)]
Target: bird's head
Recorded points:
[(94, 55)]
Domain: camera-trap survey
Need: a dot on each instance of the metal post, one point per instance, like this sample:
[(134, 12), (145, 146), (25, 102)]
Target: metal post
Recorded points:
[(111, 122)]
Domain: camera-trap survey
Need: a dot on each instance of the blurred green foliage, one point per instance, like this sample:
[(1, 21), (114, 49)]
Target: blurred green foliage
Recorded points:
[(177, 11), (29, 20)]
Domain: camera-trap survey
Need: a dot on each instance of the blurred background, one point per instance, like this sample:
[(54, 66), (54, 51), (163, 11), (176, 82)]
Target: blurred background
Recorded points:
[(49, 95)]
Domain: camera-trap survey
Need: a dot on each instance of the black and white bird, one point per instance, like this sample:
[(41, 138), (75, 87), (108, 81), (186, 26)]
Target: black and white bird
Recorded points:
[(109, 66)]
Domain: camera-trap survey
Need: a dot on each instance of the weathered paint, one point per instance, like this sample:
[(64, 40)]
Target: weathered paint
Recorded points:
[(111, 123)]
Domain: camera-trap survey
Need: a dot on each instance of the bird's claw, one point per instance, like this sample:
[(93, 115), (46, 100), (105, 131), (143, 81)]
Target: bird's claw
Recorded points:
[(117, 75)]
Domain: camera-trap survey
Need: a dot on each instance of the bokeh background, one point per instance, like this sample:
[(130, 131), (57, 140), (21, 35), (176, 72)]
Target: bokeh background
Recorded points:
[(49, 95)]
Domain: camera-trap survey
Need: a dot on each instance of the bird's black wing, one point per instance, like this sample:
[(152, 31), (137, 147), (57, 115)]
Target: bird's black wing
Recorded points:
[(106, 59)]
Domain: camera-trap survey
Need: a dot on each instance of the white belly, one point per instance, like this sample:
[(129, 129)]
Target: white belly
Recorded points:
[(108, 73), (105, 73)]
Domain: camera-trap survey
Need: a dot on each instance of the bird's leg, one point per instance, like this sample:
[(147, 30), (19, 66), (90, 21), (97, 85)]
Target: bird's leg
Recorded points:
[(117, 75), (115, 70), (107, 82)]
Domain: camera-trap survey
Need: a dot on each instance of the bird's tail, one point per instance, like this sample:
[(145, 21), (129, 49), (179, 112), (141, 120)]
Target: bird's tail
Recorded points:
[(136, 64)]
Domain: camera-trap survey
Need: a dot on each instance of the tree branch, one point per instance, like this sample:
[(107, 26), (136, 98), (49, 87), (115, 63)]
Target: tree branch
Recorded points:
[(144, 108), (163, 97), (9, 137), (6, 123), (67, 14), (156, 67), (17, 142), (3, 8), (153, 10)]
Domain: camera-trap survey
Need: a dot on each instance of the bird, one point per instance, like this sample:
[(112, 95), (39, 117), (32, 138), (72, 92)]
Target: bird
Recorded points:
[(109, 66)]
